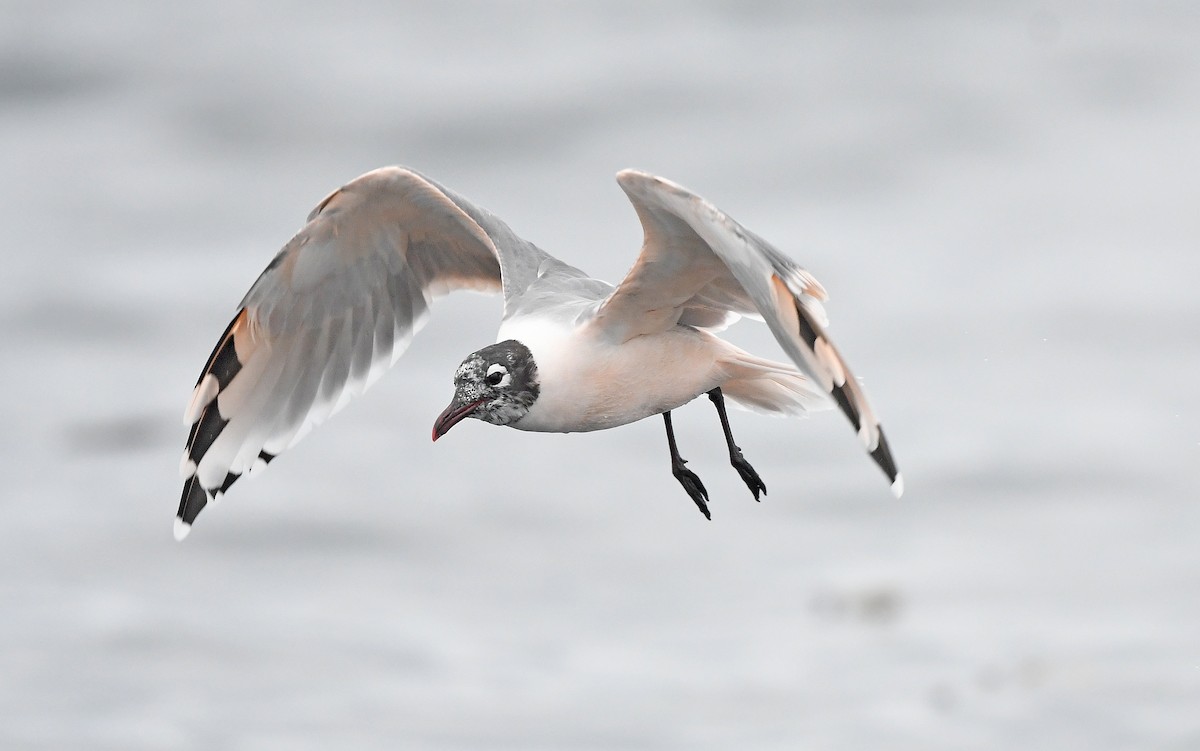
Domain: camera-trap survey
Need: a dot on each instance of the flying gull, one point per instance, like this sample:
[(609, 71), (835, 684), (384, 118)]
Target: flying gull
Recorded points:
[(341, 301)]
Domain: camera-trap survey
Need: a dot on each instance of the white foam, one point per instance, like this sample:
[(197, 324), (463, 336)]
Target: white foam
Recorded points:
[(181, 529)]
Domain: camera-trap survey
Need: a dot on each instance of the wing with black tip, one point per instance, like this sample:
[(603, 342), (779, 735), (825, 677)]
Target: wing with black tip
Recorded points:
[(697, 265), (334, 309)]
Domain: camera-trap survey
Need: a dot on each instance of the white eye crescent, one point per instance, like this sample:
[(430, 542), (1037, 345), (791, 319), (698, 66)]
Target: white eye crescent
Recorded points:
[(497, 375)]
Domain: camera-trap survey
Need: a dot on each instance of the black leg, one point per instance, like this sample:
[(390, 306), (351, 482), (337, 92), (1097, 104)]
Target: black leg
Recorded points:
[(687, 478), (749, 476)]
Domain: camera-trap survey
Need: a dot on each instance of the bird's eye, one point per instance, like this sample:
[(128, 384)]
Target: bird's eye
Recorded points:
[(497, 375)]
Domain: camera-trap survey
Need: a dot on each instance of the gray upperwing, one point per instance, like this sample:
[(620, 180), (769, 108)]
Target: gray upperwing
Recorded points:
[(333, 310), (521, 262)]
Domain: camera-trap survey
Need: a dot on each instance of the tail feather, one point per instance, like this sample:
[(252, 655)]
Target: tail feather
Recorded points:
[(772, 388)]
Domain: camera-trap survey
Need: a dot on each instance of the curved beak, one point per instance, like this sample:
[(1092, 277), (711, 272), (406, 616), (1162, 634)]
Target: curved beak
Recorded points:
[(454, 414)]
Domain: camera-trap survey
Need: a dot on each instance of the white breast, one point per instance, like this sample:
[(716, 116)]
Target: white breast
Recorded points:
[(588, 383)]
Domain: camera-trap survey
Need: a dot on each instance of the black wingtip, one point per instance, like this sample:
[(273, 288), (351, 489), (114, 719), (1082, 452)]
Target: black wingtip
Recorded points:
[(223, 362), (883, 457), (204, 432), (842, 397), (192, 502)]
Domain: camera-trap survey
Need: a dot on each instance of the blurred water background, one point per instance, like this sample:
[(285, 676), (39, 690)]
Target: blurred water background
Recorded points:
[(1000, 197)]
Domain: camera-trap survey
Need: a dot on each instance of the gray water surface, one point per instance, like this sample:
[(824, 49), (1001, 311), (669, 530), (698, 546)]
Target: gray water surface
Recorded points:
[(1000, 198)]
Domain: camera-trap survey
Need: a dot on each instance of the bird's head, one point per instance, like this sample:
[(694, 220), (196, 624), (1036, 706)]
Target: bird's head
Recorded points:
[(497, 384)]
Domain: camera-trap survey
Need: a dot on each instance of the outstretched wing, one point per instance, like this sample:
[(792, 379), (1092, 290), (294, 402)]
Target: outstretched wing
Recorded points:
[(697, 265), (334, 309)]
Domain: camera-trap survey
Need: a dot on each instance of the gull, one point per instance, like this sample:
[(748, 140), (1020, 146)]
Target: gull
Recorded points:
[(339, 304)]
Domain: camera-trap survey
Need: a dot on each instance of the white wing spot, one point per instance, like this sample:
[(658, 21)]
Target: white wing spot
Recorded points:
[(830, 359), (201, 396), (868, 436), (257, 467)]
